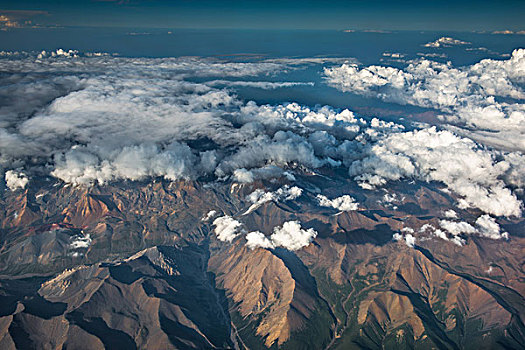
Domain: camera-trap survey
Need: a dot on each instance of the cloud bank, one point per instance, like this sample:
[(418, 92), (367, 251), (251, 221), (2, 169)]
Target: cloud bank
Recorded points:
[(485, 99), (432, 155), (94, 119)]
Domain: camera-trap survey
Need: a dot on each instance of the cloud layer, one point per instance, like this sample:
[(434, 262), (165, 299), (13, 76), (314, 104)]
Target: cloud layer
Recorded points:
[(94, 119), (485, 99)]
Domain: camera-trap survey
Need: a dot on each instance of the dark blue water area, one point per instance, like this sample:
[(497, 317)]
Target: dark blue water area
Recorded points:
[(368, 48)]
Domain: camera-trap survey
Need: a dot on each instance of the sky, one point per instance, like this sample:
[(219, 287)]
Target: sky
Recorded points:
[(268, 14)]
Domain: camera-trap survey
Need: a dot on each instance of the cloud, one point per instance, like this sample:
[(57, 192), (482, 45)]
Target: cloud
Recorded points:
[(485, 225), (112, 118), (243, 175), (432, 155), (80, 166), (456, 239), (58, 53), (266, 85), (80, 242), (446, 41), (477, 97), (95, 119), (259, 197), (509, 32), (489, 228), (15, 180), (393, 55), (451, 214), (7, 23), (10, 19), (408, 238), (257, 239), (432, 54), (455, 231), (343, 203), (290, 236), (457, 228), (227, 228), (211, 214)]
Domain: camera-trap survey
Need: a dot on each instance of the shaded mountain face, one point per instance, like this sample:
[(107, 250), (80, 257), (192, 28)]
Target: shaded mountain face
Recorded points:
[(142, 265)]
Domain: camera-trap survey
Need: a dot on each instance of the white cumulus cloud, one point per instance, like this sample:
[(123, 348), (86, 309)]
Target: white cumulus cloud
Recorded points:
[(342, 203), (432, 155), (446, 41), (227, 228), (488, 227), (486, 96), (15, 180), (290, 236)]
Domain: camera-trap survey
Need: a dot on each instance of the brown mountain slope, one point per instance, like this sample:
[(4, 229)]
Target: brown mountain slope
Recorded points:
[(135, 265)]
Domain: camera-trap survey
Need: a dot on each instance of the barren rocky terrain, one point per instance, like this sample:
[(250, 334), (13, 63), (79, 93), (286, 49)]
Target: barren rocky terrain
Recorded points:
[(139, 265)]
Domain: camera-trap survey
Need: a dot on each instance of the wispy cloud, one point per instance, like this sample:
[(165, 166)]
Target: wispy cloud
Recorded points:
[(509, 32)]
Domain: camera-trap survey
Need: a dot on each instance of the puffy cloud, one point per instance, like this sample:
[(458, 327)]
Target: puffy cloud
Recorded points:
[(7, 23), (227, 228), (112, 118), (436, 232), (101, 118), (485, 226), (15, 180), (446, 41), (478, 97), (80, 242), (283, 148), (457, 228), (259, 197), (431, 155), (257, 239), (80, 166), (243, 175), (488, 227), (408, 238), (451, 214), (343, 203), (291, 236), (58, 53)]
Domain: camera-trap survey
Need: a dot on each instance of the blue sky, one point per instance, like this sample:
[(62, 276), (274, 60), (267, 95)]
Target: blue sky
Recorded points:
[(269, 14)]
